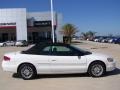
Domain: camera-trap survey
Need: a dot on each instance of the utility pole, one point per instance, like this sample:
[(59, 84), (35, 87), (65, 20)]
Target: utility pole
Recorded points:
[(52, 18)]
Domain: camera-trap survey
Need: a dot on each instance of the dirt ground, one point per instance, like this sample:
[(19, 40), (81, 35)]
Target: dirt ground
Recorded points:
[(111, 81)]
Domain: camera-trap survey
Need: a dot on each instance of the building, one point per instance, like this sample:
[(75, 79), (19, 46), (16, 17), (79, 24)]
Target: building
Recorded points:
[(18, 24)]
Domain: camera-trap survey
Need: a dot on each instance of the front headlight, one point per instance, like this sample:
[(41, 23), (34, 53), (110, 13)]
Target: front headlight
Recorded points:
[(110, 59)]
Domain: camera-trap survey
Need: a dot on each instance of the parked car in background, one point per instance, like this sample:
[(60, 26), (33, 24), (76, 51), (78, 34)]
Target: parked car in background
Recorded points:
[(7, 43), (10, 43), (116, 41), (103, 39), (21, 43), (90, 39), (96, 40), (2, 44), (112, 40), (57, 58), (100, 39), (106, 40)]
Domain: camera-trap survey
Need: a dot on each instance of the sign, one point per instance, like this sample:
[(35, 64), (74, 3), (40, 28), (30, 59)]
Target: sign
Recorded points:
[(42, 23), (7, 24)]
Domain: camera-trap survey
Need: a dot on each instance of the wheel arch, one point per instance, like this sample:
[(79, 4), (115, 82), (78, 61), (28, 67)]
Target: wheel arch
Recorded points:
[(97, 61), (28, 64)]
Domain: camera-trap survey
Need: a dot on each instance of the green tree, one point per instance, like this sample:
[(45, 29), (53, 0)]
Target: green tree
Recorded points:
[(84, 36), (88, 35), (91, 34), (68, 31)]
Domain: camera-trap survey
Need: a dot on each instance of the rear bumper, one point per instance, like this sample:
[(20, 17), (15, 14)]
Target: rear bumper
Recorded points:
[(8, 67)]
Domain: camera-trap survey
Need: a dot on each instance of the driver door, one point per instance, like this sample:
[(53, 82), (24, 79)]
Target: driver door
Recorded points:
[(66, 60)]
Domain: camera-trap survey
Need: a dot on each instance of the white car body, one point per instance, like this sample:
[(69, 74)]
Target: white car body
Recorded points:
[(7, 43), (96, 40), (1, 44), (110, 41), (18, 43), (10, 43), (103, 41), (21, 43), (45, 64)]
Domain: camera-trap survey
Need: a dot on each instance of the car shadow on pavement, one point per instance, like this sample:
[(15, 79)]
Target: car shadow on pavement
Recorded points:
[(44, 76), (62, 76), (115, 72)]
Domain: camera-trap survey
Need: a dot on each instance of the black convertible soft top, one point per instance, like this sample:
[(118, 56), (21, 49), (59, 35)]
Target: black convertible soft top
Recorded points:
[(39, 46)]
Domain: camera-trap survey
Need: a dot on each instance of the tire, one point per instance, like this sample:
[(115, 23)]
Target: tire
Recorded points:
[(96, 69), (4, 45), (27, 71)]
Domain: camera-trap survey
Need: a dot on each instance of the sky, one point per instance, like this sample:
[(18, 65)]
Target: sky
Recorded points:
[(101, 16)]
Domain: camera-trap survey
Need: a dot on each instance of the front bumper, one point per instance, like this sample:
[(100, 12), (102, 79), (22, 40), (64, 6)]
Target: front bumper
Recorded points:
[(111, 66)]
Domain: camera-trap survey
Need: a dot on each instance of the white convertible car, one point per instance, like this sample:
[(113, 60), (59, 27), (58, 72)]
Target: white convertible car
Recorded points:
[(56, 59)]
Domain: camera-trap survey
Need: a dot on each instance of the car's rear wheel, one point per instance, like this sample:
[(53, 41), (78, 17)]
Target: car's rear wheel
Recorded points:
[(96, 69), (27, 71)]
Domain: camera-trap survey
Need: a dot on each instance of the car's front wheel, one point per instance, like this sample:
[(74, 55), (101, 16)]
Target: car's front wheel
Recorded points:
[(27, 71), (96, 69)]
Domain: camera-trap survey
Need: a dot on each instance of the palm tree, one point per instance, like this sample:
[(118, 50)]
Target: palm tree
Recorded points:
[(84, 36), (91, 34), (68, 31), (88, 35)]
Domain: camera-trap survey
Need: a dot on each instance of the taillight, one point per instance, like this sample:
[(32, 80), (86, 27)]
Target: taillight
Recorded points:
[(6, 58)]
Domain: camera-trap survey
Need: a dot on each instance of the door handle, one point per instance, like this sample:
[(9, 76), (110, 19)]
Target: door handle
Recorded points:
[(53, 60)]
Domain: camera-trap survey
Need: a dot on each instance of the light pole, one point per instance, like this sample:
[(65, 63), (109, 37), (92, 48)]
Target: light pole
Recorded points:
[(52, 18)]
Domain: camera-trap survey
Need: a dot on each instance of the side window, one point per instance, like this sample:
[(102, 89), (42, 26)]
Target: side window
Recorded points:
[(61, 51), (46, 51)]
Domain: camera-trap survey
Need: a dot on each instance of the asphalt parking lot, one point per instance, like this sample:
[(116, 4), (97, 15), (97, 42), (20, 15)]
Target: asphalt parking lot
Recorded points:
[(111, 81)]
